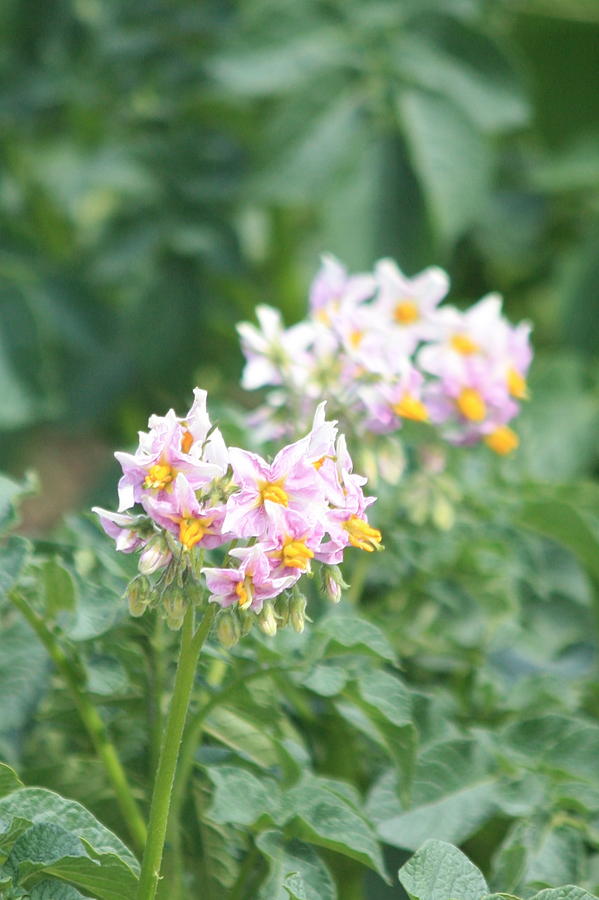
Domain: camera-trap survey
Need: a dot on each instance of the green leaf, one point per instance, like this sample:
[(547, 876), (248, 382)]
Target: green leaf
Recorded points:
[(453, 794), (388, 705), (59, 587), (561, 521), (296, 871), (538, 854), (320, 816), (243, 735), (41, 846), (239, 797), (566, 892), (351, 632), (24, 679), (55, 890), (278, 68), (451, 158), (570, 746), (9, 780), (39, 805), (324, 680), (439, 871), (467, 66), (13, 555)]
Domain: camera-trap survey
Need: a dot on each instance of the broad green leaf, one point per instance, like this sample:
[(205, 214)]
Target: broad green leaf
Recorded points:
[(39, 805), (239, 797), (24, 669), (326, 144), (439, 871), (318, 815), (55, 890), (243, 735), (105, 874), (42, 846), (567, 892), (450, 156), (18, 406), (467, 67), (537, 854), (347, 630), (296, 871), (278, 68), (453, 794), (325, 680), (98, 608), (9, 780), (9, 832), (59, 587), (13, 555), (566, 524), (557, 742), (106, 676), (388, 705)]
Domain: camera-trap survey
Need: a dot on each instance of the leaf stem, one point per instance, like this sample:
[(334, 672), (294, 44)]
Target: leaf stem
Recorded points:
[(191, 644), (92, 721)]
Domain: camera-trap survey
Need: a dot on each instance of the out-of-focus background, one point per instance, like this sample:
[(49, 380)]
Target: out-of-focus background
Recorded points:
[(167, 166)]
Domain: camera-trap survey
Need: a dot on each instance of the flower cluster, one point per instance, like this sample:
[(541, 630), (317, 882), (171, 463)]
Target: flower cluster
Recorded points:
[(383, 350), (272, 519)]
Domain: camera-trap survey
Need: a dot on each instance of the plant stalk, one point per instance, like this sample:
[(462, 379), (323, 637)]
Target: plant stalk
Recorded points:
[(92, 721), (191, 644)]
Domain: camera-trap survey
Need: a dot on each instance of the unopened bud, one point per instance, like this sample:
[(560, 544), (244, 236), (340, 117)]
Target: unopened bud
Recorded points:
[(138, 594), (246, 621), (228, 629), (297, 612), (443, 513), (333, 583), (267, 621), (154, 556), (175, 607), (282, 610)]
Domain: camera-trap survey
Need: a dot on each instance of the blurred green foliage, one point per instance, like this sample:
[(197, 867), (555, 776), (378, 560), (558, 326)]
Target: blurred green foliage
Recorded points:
[(166, 167)]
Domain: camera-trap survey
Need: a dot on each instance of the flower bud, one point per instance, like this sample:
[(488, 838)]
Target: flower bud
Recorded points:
[(138, 594), (267, 621), (175, 607), (443, 513), (246, 621), (333, 583), (228, 629), (297, 612), (154, 556), (282, 610)]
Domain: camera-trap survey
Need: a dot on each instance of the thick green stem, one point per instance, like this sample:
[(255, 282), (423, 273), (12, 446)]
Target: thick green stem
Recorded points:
[(92, 721), (191, 644)]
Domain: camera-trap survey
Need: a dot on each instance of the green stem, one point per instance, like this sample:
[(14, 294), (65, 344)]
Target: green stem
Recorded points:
[(358, 579), (191, 644), (92, 721)]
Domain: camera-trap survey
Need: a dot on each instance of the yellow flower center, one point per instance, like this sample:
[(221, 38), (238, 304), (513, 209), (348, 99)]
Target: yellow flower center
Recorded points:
[(323, 316), (411, 408), (355, 338), (273, 491), (503, 440), (243, 589), (516, 385), (464, 345), (186, 441), (362, 535), (192, 531), (406, 312), (159, 476), (471, 405), (295, 554)]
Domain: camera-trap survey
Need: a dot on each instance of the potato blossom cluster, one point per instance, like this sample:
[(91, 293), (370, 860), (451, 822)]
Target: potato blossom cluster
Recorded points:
[(184, 492), (384, 350)]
